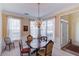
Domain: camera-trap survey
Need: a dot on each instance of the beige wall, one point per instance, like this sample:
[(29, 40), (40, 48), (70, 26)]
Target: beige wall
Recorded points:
[(72, 22), (4, 27), (72, 19), (25, 22), (57, 32)]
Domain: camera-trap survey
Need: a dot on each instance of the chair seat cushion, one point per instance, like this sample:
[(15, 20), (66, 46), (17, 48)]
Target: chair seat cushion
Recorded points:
[(41, 52), (25, 50)]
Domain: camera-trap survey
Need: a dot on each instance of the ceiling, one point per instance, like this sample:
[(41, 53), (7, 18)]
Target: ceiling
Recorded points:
[(32, 8)]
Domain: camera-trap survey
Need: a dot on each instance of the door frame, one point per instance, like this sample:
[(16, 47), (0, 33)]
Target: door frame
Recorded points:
[(63, 20)]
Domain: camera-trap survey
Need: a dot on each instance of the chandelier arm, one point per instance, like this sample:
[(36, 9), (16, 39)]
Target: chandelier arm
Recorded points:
[(39, 22)]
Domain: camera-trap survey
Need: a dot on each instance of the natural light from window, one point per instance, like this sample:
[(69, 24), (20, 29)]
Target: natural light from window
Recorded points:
[(14, 28)]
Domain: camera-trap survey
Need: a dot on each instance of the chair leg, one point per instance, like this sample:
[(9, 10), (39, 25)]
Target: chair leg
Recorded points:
[(13, 45), (29, 54), (6, 47), (9, 46), (21, 54), (37, 54), (51, 54)]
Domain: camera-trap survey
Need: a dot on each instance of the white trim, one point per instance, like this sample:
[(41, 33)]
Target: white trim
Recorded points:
[(64, 20)]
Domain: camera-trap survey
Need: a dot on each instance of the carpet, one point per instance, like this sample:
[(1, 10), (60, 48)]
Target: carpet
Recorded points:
[(72, 49)]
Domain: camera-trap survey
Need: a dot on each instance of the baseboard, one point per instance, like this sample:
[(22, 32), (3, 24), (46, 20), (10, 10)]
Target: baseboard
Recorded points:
[(75, 43)]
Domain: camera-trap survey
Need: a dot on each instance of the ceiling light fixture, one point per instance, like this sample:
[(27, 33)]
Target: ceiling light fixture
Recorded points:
[(38, 21)]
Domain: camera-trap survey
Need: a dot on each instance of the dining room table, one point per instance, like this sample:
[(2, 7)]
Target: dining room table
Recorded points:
[(35, 44)]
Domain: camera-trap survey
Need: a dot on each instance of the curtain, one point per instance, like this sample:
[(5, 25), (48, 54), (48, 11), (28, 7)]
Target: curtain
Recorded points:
[(14, 29)]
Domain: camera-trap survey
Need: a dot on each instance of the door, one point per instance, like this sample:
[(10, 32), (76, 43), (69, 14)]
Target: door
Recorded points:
[(64, 33)]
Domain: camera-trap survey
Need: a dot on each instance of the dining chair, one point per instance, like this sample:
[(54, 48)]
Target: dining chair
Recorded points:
[(43, 38), (8, 43), (29, 39), (47, 50), (23, 50)]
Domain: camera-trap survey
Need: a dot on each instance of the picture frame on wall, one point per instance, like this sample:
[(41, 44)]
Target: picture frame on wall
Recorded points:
[(25, 28)]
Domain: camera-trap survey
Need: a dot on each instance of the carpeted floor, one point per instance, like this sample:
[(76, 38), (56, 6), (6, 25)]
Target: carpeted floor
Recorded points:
[(72, 49)]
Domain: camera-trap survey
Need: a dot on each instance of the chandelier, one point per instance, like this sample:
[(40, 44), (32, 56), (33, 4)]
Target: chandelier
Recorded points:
[(39, 20)]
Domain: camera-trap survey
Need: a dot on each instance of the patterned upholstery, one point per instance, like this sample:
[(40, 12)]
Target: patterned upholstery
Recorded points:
[(47, 50), (43, 38), (23, 50), (8, 42)]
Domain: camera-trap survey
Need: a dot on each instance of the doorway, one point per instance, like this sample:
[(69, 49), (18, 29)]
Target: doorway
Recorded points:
[(64, 32)]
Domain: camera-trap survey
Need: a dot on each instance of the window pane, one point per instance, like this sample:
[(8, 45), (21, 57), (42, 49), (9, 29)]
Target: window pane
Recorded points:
[(43, 28), (50, 29), (47, 28), (33, 29), (14, 28)]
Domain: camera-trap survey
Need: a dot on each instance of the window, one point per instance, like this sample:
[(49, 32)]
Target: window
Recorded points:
[(14, 28), (33, 29), (48, 28), (43, 28)]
